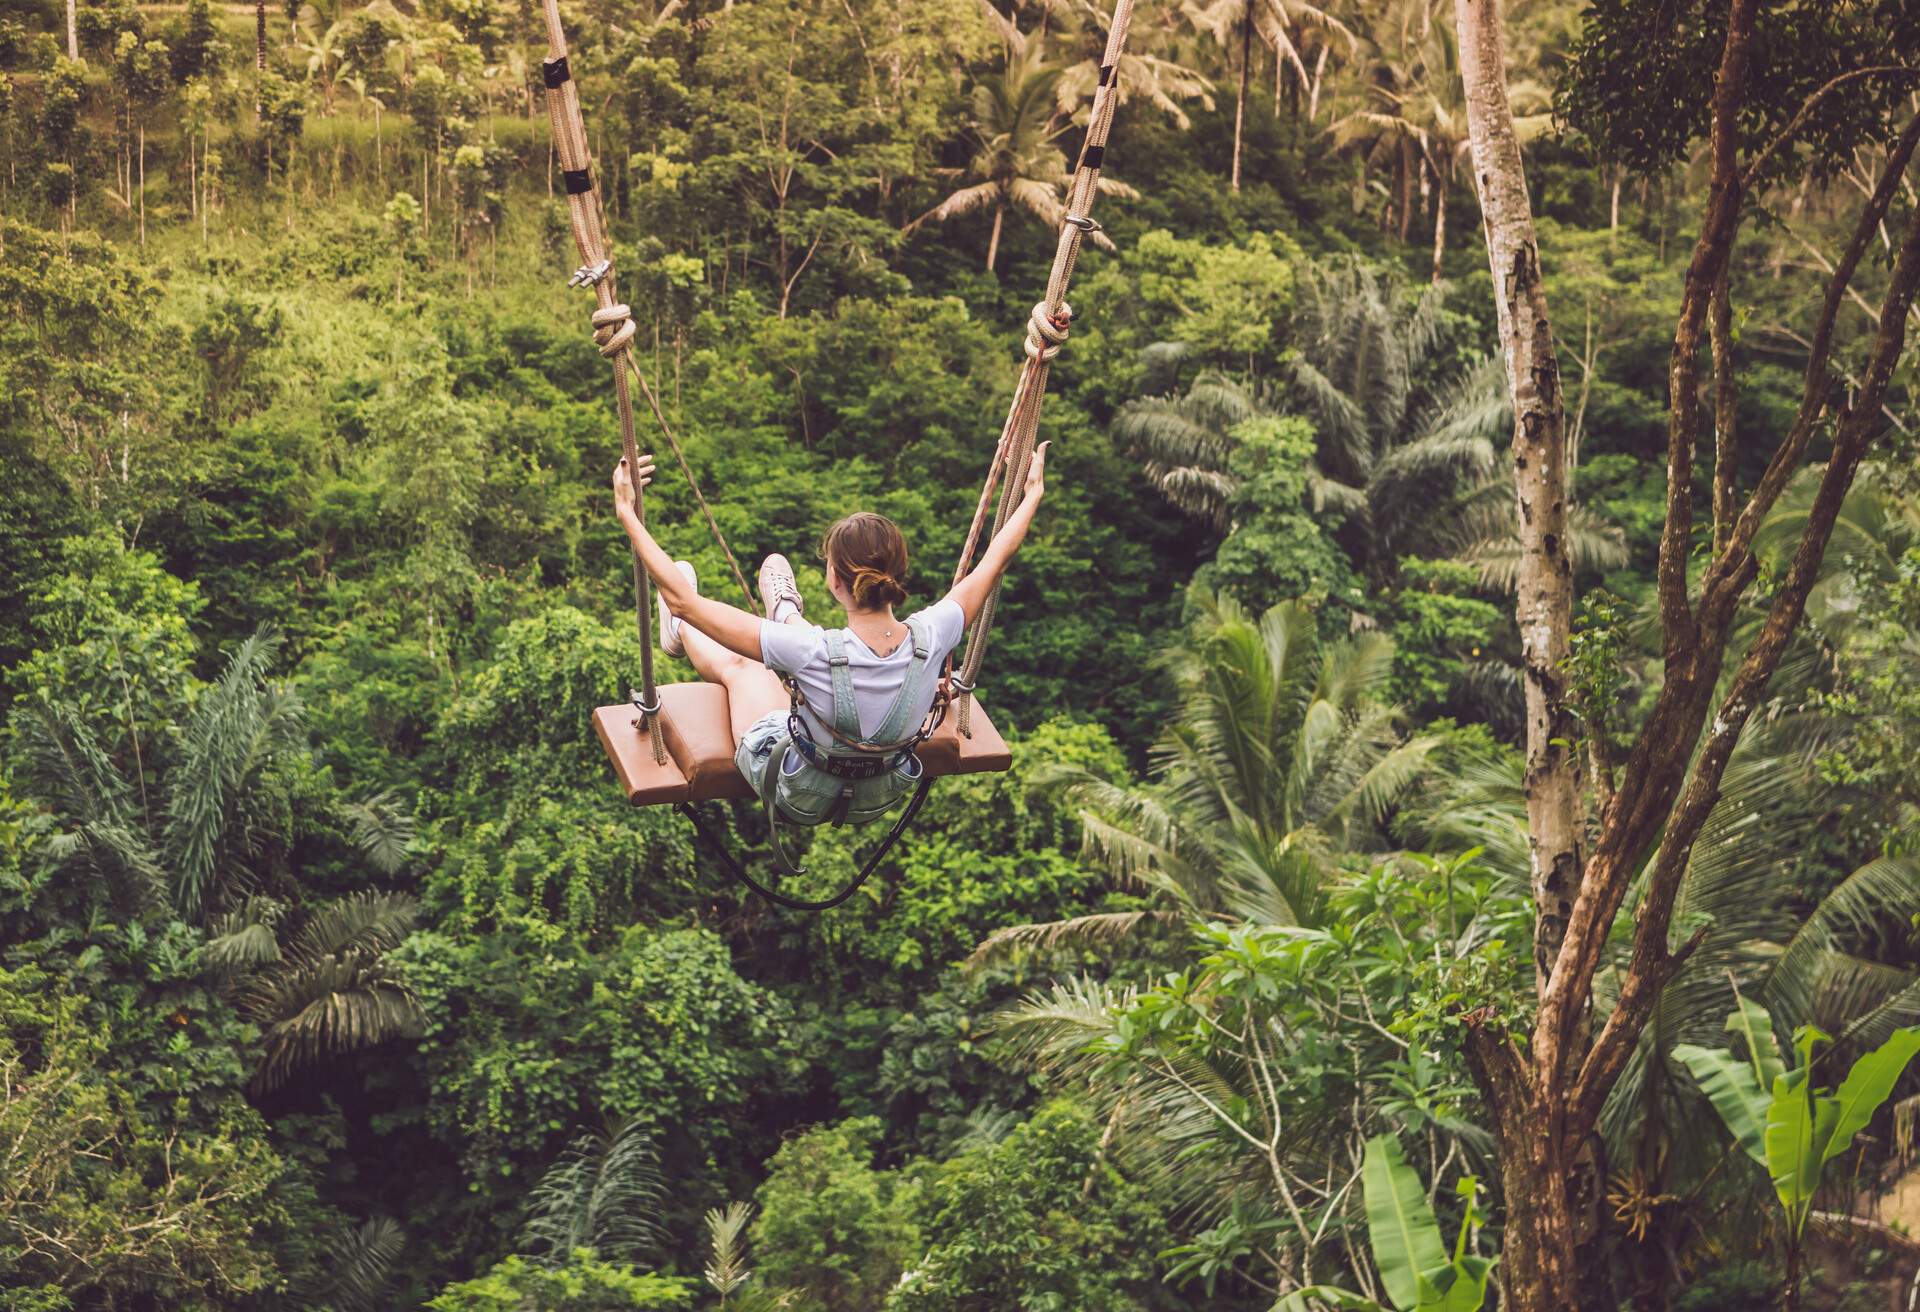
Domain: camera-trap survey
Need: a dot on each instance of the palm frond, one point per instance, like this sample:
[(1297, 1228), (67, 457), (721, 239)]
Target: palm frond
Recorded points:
[(361, 1264), (603, 1192), (236, 730), (1078, 931), (381, 829), (244, 938), (325, 1008), (727, 1269)]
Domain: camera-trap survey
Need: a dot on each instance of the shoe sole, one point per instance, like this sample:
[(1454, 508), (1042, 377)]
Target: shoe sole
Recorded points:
[(669, 644)]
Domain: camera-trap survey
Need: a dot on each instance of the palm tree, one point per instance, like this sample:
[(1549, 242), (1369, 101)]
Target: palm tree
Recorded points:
[(1016, 164), (1409, 459), (330, 990), (1145, 67), (360, 1267), (187, 821), (603, 1192), (1186, 442), (1414, 115), (1281, 761), (1407, 450), (1279, 24)]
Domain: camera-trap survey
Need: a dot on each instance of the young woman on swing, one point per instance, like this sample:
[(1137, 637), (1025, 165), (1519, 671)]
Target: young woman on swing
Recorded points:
[(839, 749)]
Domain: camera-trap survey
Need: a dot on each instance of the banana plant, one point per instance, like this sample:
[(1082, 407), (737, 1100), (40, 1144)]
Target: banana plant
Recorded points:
[(1417, 1271), (1781, 1119)]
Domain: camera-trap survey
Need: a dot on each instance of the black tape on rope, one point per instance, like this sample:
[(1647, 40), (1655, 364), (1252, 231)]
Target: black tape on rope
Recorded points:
[(1092, 157), (579, 181), (555, 72), (1106, 74)]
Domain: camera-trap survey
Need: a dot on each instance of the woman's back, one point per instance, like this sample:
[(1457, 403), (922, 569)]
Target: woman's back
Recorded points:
[(801, 651)]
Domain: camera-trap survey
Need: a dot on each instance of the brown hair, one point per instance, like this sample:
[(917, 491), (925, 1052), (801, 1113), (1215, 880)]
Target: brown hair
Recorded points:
[(869, 554)]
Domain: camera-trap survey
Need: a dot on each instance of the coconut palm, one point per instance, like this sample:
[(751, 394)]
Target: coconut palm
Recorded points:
[(1280, 761), (1186, 440), (1407, 449), (1017, 165), (1280, 25), (1413, 115), (1076, 36), (329, 990)]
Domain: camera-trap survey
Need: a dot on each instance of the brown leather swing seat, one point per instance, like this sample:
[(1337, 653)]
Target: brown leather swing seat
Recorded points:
[(700, 740)]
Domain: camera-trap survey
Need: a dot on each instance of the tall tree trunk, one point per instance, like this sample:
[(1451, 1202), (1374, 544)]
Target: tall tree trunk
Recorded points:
[(1319, 79), (143, 183), (1541, 1238), (73, 30), (1408, 167), (1544, 608), (1240, 103), (259, 58), (993, 241), (1439, 223)]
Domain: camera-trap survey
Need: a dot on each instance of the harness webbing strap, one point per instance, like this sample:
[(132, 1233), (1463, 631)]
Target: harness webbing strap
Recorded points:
[(1047, 328)]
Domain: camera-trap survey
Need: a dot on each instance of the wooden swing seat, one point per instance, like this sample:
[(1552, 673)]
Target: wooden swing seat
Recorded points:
[(700, 737)]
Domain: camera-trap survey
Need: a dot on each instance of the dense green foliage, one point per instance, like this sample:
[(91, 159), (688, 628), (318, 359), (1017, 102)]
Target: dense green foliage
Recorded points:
[(334, 974)]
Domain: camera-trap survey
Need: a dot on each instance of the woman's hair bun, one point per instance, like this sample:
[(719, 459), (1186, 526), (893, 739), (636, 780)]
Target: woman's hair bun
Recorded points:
[(869, 554), (874, 588)]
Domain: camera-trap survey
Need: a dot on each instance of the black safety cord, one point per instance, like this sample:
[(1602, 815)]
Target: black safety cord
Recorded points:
[(867, 868)]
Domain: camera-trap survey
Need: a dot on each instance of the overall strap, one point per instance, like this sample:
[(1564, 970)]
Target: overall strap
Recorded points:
[(908, 702), (846, 711)]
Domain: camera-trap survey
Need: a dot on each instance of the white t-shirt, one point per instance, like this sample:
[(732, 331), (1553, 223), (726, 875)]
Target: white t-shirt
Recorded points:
[(800, 650)]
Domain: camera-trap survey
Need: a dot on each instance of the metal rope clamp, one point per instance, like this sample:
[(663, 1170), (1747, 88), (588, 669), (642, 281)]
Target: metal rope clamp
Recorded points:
[(649, 711), (590, 275), (1085, 222)]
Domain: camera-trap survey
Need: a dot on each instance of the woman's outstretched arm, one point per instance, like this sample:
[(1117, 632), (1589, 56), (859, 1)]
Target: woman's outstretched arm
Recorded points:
[(731, 627), (971, 592)]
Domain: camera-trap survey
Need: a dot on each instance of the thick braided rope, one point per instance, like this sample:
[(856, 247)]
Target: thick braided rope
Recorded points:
[(613, 326), (1047, 329)]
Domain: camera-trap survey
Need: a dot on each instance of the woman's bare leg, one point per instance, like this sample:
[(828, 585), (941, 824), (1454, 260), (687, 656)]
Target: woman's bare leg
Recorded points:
[(752, 688)]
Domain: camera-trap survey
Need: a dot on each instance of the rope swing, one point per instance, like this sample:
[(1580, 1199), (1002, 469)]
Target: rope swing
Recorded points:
[(1047, 329), (614, 331)]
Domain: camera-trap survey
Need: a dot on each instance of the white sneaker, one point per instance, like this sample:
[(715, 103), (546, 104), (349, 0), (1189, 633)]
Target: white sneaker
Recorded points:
[(778, 590), (670, 641)]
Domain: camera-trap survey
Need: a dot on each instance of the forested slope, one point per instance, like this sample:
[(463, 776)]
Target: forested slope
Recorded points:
[(334, 972)]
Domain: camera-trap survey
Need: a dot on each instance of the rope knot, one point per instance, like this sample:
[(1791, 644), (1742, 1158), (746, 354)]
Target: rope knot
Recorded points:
[(1045, 332), (613, 328)]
